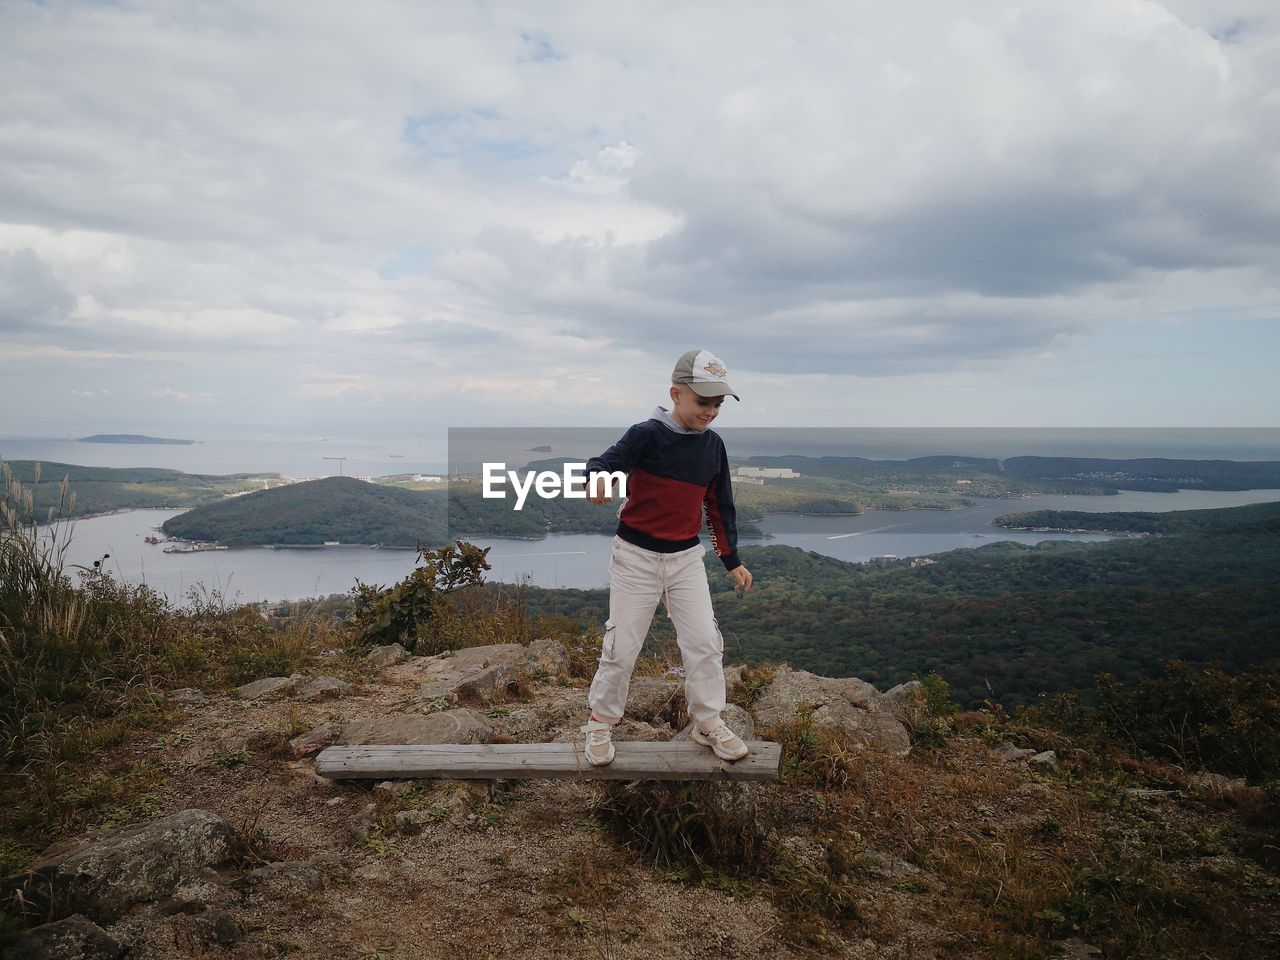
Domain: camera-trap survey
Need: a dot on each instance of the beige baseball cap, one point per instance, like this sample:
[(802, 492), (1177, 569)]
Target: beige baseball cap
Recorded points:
[(703, 373)]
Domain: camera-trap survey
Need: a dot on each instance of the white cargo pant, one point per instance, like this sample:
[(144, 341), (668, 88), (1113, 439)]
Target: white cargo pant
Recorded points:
[(638, 579)]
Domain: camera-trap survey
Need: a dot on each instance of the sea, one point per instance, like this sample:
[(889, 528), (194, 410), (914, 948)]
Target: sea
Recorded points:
[(581, 560)]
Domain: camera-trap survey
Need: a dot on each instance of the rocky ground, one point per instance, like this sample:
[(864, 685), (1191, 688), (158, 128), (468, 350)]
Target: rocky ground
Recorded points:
[(247, 853)]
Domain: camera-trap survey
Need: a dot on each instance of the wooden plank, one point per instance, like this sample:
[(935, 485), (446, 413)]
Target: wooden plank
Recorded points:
[(638, 760)]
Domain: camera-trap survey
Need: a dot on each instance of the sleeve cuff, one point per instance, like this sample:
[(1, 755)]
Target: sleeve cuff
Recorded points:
[(731, 560)]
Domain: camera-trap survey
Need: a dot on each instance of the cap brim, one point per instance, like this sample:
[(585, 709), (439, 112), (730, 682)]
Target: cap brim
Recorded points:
[(713, 388)]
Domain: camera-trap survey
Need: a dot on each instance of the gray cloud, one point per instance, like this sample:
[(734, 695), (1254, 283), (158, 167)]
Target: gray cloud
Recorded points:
[(31, 297), (418, 200)]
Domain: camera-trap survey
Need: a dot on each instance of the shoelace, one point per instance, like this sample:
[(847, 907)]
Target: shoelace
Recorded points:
[(597, 736)]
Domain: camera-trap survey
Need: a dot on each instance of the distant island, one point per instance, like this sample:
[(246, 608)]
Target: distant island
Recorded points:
[(129, 438)]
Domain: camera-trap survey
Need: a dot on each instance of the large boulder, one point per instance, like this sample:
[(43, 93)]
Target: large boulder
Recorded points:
[(319, 688), (843, 705), (653, 699), (73, 938), (387, 655), (906, 701), (446, 726), (483, 672), (103, 874), (296, 687), (266, 687)]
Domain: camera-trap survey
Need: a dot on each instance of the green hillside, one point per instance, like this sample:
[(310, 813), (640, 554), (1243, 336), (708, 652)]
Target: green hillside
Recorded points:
[(102, 489), (1171, 522), (1005, 622), (335, 508)]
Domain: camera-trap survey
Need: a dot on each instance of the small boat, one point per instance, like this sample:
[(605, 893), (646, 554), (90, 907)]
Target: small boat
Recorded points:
[(151, 540)]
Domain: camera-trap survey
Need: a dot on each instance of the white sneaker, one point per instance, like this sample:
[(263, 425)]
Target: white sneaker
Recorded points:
[(727, 744), (599, 748)]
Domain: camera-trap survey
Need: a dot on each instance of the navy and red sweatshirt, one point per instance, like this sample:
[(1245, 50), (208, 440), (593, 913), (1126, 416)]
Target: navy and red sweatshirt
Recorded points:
[(674, 477)]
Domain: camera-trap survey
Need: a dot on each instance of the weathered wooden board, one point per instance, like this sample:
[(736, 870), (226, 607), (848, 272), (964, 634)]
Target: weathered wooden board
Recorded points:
[(674, 760)]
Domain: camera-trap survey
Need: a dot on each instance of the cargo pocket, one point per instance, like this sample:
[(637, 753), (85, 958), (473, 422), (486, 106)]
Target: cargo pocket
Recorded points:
[(606, 646), (719, 636)]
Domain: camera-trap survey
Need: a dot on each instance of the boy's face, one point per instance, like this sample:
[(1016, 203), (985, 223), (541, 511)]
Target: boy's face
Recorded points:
[(692, 411)]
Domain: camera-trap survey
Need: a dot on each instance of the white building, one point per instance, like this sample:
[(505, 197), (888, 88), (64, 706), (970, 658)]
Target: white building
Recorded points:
[(768, 473)]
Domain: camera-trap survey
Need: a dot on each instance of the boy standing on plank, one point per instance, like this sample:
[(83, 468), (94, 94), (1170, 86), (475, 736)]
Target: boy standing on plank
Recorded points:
[(677, 471)]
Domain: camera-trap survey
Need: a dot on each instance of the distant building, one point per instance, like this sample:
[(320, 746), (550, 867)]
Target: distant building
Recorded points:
[(964, 481), (768, 473), (422, 478), (756, 481)]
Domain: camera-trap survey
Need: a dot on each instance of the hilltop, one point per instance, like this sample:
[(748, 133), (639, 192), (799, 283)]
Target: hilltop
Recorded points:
[(92, 490), (159, 795), (958, 836), (315, 511)]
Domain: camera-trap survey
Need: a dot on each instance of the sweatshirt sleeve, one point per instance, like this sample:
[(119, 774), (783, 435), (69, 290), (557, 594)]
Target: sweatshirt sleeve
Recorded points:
[(622, 456), (722, 516)]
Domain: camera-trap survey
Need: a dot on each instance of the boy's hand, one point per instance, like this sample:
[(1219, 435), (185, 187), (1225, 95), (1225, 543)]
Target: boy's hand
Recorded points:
[(598, 498), (741, 577)]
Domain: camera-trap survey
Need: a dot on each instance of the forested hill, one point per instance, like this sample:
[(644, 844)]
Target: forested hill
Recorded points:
[(315, 511), (1006, 622), (102, 489), (1172, 522), (1063, 474)]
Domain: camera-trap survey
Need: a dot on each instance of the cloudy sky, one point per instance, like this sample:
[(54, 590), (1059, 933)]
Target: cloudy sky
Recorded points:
[(387, 218)]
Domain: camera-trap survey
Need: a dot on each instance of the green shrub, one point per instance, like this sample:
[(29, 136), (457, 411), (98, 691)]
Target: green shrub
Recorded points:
[(1200, 717), (440, 606)]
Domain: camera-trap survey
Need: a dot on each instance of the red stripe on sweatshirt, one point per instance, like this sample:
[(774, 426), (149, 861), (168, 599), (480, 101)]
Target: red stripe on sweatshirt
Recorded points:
[(661, 507)]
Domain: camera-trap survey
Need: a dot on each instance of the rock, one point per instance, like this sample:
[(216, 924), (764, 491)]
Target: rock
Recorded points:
[(412, 822), (73, 938), (200, 890), (266, 687), (905, 701), (654, 700), (795, 691), (1074, 949), (623, 731), (373, 871), (549, 655), (1047, 760), (287, 879), (318, 688), (737, 718), (448, 726), (803, 852), (732, 677), (360, 826), (485, 671), (1009, 752), (389, 789), (185, 696), (386, 656), (221, 928), (313, 741), (1147, 793), (331, 863), (103, 874)]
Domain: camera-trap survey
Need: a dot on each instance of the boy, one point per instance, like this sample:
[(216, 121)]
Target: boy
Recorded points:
[(676, 470)]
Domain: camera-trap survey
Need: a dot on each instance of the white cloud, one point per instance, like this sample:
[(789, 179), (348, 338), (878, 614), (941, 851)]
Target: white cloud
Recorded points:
[(334, 206)]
